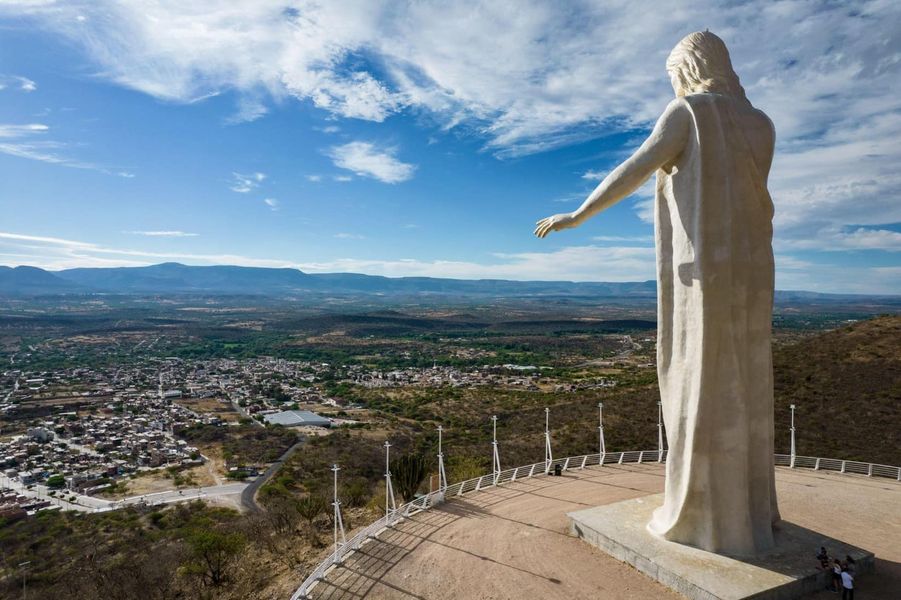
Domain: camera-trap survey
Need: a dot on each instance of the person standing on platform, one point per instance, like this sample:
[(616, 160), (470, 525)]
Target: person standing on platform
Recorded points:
[(847, 585)]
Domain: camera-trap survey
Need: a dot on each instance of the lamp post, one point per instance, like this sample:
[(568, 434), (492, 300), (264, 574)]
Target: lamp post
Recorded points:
[(602, 447), (22, 566), (339, 523), (442, 476), (548, 453), (496, 457), (659, 431), (390, 502), (792, 463)]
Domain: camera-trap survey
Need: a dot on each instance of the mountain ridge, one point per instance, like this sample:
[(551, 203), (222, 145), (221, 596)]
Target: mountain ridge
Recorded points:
[(175, 278)]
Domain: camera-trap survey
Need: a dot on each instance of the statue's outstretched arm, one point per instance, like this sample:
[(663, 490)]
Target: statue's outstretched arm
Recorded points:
[(662, 147)]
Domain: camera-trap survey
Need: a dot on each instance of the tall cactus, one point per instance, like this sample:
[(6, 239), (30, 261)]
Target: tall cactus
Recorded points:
[(407, 473)]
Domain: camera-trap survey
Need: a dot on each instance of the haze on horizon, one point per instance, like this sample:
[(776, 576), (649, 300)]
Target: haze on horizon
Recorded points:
[(418, 139)]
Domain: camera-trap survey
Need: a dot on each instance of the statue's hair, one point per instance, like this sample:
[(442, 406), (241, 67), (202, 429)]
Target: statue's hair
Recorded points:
[(701, 63)]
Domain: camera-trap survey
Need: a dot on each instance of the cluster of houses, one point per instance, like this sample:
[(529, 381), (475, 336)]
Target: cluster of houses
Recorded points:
[(525, 377), (86, 452)]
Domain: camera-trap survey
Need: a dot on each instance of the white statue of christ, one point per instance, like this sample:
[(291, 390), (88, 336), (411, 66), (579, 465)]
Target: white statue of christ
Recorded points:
[(711, 151)]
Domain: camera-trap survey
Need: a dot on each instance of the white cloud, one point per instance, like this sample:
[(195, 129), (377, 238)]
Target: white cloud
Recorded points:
[(26, 141), (249, 110), (171, 234), (27, 85), (574, 263), (366, 160), (860, 238), (577, 263), (342, 178), (15, 131), (349, 236), (272, 203), (644, 239), (593, 175), (17, 83), (246, 183), (58, 253), (537, 77), (314, 178)]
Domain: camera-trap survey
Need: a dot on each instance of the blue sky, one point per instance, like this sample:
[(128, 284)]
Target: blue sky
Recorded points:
[(424, 139)]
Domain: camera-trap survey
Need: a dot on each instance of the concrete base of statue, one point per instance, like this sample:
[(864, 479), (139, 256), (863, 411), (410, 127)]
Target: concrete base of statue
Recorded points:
[(789, 571)]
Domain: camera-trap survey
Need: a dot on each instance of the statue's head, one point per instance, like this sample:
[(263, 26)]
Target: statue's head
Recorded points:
[(700, 63)]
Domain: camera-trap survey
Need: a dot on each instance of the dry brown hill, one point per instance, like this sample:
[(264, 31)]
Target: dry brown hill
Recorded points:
[(846, 385)]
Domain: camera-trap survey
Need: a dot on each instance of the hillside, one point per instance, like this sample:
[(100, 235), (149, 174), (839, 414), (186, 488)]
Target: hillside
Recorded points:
[(846, 385)]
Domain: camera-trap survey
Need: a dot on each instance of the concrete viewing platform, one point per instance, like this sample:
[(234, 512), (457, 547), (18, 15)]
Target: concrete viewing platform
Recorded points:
[(514, 541)]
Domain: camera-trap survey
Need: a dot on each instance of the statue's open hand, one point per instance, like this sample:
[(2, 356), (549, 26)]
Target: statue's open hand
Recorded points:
[(555, 223)]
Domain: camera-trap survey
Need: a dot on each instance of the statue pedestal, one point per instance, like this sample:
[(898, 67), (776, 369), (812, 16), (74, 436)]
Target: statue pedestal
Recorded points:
[(789, 571)]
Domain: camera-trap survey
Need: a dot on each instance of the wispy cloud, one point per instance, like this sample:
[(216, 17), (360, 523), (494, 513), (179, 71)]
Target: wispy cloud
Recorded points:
[(27, 141), (560, 75), (17, 83), (249, 110), (15, 131), (171, 234), (573, 263), (342, 178), (272, 203), (367, 160), (349, 236), (59, 253), (593, 175), (246, 183), (643, 239), (314, 178)]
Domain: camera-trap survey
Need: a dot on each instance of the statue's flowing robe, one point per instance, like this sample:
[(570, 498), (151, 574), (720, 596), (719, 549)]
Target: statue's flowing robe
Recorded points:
[(715, 278)]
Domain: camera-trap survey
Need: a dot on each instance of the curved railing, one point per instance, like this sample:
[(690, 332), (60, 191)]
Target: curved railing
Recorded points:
[(842, 466), (425, 502)]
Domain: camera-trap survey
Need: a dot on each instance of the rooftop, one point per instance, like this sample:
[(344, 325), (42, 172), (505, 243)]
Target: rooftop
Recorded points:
[(291, 418)]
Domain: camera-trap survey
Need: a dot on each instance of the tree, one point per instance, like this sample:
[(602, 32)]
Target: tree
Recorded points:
[(56, 481), (212, 552), (356, 492), (310, 507), (408, 471)]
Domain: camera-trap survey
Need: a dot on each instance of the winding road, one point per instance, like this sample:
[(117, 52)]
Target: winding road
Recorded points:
[(248, 496)]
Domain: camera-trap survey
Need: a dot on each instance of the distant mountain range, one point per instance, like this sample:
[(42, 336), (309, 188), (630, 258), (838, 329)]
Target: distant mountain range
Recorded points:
[(175, 278)]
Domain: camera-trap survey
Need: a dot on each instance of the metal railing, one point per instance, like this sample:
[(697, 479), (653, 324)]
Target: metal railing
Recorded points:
[(842, 466), (373, 530)]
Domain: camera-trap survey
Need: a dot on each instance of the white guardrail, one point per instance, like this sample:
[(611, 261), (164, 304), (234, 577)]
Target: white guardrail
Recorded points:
[(373, 530)]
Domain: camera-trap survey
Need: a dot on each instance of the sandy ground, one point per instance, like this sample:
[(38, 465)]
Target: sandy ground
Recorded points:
[(513, 543), (217, 406), (156, 481)]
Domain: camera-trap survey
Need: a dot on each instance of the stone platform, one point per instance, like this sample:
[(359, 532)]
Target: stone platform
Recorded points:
[(513, 542), (787, 572)]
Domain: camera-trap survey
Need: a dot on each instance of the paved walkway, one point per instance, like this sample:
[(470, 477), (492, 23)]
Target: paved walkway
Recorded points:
[(512, 542)]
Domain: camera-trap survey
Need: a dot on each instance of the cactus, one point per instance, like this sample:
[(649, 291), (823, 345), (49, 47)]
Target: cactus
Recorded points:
[(407, 472)]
